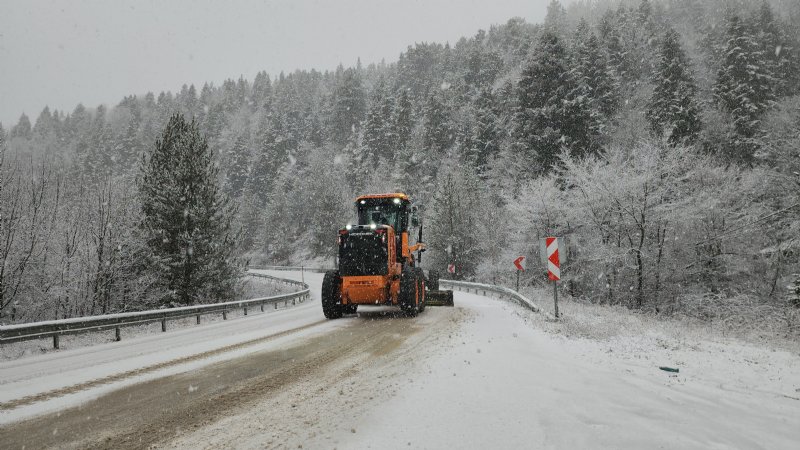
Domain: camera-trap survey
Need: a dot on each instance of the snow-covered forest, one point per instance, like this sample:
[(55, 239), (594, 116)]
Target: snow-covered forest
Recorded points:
[(661, 137)]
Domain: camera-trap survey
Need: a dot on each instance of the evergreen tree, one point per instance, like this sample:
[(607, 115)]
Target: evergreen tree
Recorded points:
[(556, 19), (238, 166), (272, 153), (486, 134), (348, 106), (779, 55), (594, 75), (596, 96), (402, 121), (745, 87), (673, 110), (551, 114), (46, 124), (262, 89), (439, 133), (23, 128), (100, 155), (129, 148), (618, 58), (378, 126), (186, 220)]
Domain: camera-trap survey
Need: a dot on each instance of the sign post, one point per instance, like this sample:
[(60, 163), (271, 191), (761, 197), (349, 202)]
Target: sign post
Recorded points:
[(553, 266), (520, 268)]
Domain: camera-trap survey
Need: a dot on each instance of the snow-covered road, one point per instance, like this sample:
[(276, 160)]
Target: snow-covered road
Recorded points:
[(479, 375), (53, 381)]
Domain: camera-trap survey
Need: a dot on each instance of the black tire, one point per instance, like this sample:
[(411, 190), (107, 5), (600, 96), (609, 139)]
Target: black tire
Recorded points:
[(422, 289), (433, 280), (408, 292), (332, 295), (350, 309)]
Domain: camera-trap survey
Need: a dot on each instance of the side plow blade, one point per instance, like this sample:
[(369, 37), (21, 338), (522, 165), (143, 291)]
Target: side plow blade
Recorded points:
[(439, 298)]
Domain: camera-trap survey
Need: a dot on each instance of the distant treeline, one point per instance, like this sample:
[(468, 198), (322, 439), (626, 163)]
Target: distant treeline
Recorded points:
[(661, 137)]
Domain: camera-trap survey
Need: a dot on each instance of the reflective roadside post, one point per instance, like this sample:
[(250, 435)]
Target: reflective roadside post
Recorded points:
[(549, 251), (518, 263)]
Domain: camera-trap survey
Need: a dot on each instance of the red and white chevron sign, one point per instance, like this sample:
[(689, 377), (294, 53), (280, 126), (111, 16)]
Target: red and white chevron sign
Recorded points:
[(553, 264)]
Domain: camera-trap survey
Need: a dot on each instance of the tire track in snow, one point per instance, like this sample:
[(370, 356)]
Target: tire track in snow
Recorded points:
[(31, 399)]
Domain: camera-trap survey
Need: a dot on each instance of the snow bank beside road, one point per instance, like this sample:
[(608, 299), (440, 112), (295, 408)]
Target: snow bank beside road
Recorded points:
[(504, 383)]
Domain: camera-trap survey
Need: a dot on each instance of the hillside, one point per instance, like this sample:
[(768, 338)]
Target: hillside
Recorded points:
[(661, 137)]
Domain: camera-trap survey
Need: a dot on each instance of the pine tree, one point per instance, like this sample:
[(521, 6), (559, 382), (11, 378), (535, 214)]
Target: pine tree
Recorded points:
[(745, 88), (550, 115), (23, 128), (128, 149), (46, 124), (270, 156), (486, 133), (186, 220), (402, 122), (378, 126), (556, 19), (348, 106), (673, 110), (780, 57), (439, 133), (596, 94), (238, 166), (100, 155)]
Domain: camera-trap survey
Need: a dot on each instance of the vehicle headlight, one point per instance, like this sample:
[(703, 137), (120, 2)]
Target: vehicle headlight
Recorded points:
[(372, 226), (348, 227)]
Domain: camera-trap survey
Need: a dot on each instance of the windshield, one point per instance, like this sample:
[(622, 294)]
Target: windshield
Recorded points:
[(383, 212)]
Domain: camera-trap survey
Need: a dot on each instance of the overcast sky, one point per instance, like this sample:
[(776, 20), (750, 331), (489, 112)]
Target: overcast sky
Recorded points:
[(60, 53)]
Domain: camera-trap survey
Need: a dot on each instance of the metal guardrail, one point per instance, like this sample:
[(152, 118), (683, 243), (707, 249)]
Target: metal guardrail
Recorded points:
[(467, 286), (56, 328), (300, 268), (480, 288)]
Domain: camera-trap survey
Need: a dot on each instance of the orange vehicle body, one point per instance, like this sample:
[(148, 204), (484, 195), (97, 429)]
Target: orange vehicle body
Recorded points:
[(377, 265), (381, 289)]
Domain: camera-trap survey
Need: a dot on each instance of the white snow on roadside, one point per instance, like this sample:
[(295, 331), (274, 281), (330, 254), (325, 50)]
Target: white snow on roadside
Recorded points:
[(507, 384)]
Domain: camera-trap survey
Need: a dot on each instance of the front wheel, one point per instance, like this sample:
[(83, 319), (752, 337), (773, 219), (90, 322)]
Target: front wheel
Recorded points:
[(332, 295), (409, 291)]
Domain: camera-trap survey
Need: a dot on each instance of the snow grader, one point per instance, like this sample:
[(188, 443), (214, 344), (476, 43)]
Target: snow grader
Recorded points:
[(377, 264)]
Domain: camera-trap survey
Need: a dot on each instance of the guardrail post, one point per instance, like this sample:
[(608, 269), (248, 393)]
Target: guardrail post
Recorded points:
[(294, 301), (245, 310), (163, 325), (55, 341), (224, 315), (262, 307), (198, 319), (117, 334), (286, 303), (276, 305)]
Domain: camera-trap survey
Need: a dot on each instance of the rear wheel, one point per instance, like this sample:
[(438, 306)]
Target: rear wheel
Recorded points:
[(422, 288), (350, 309), (409, 287), (332, 295)]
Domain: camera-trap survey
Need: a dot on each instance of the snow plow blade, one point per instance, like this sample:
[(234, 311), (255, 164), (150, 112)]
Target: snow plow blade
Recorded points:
[(439, 298)]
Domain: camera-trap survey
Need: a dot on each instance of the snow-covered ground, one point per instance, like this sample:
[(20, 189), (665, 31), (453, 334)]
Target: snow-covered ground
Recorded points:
[(485, 374), (503, 383), (494, 378), (59, 379)]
